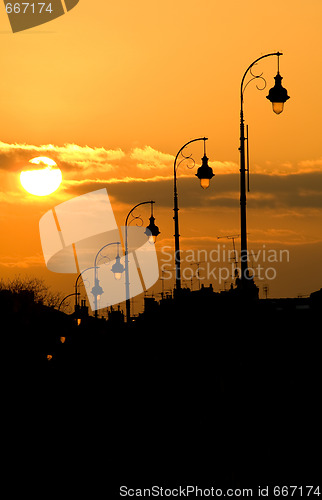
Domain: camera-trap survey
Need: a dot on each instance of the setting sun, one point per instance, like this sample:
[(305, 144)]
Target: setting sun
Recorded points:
[(43, 180)]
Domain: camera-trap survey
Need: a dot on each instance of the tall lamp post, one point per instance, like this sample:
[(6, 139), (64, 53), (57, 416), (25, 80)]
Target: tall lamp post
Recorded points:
[(117, 269), (278, 96), (152, 232), (204, 173)]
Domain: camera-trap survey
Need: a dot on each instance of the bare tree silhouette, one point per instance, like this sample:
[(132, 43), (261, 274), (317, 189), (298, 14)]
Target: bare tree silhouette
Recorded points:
[(42, 293)]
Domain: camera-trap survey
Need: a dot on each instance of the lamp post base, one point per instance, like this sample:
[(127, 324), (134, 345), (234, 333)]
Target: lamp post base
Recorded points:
[(247, 288)]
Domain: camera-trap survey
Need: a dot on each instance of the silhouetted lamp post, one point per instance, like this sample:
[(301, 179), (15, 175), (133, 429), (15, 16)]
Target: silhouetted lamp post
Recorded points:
[(204, 174), (278, 96), (117, 269), (152, 232), (76, 306)]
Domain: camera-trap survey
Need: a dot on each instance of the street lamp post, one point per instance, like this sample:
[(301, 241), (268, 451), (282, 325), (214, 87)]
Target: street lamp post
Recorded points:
[(97, 290), (204, 173), (278, 96), (76, 306), (152, 232)]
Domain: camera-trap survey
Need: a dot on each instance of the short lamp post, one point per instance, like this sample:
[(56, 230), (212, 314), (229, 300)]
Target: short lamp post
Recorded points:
[(152, 231), (117, 269), (204, 174), (76, 306)]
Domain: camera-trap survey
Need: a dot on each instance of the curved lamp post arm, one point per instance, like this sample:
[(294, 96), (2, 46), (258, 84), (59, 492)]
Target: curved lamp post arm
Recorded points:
[(183, 147), (67, 296), (132, 209), (242, 88), (76, 285), (127, 218), (108, 244), (80, 274)]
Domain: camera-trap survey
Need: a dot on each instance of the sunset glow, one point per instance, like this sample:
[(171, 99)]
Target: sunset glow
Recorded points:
[(119, 126), (160, 259)]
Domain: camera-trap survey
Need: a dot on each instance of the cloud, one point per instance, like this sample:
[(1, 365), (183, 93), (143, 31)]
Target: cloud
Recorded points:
[(294, 190), (14, 157), (288, 167), (149, 158), (26, 262), (267, 191), (311, 164), (73, 159), (145, 173)]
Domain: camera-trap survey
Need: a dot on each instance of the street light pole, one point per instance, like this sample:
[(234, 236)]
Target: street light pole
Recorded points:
[(204, 174), (76, 290), (277, 95), (153, 232), (97, 290)]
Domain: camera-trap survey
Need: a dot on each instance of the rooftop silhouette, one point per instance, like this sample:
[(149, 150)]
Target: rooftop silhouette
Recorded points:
[(201, 385)]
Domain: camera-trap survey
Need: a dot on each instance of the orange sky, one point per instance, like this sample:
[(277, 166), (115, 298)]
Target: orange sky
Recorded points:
[(111, 91)]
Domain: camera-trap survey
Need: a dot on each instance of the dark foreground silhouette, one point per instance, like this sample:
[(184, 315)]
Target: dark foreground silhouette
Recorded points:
[(210, 392)]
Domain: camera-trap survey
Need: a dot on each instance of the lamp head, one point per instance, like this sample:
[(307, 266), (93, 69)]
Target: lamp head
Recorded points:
[(278, 95), (117, 268), (204, 173), (152, 231), (97, 290)]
